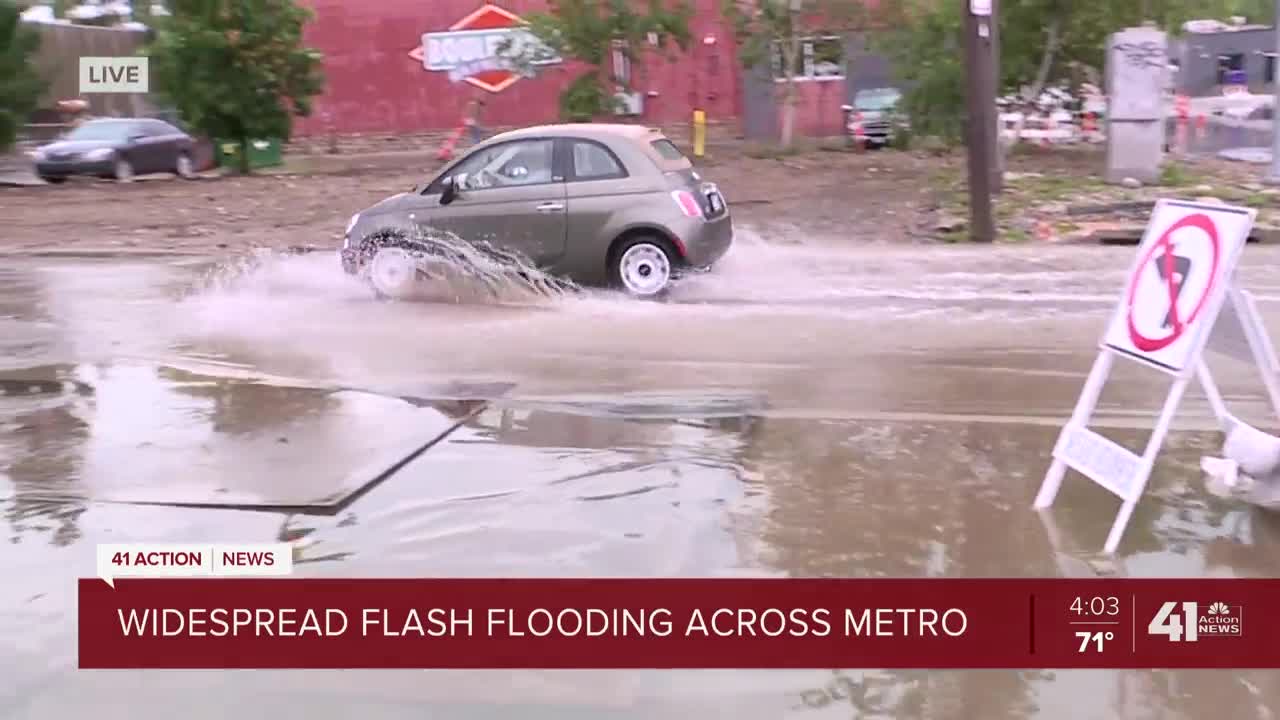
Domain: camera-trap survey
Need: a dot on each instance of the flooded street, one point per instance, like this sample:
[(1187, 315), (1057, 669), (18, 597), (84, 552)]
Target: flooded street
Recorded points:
[(805, 410)]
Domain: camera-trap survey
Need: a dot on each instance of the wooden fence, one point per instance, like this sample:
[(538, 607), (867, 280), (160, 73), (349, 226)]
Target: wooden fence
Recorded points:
[(58, 61)]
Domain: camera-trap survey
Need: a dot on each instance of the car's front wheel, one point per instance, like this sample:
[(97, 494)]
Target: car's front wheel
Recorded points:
[(643, 266), (392, 271)]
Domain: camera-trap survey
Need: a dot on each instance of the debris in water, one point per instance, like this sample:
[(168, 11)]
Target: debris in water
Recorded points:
[(1249, 469)]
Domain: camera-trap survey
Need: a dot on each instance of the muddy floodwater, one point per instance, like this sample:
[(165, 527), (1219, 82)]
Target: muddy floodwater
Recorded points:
[(802, 411)]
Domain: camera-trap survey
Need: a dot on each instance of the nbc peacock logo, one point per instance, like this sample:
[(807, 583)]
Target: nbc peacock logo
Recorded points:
[(1221, 619)]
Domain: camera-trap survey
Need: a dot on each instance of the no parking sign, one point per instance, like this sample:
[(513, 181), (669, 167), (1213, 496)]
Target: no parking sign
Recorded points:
[(1175, 293), (1177, 282)]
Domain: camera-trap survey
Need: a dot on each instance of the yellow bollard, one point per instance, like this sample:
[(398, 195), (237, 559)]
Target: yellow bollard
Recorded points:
[(699, 133)]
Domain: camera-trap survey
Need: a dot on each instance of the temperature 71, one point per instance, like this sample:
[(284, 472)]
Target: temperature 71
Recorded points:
[(1093, 637)]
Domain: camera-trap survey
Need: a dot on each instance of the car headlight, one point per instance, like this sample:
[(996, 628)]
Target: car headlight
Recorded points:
[(346, 234), (99, 154)]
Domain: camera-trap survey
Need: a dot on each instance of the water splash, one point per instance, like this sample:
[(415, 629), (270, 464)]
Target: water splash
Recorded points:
[(458, 271), (266, 303), (452, 270), (269, 273)]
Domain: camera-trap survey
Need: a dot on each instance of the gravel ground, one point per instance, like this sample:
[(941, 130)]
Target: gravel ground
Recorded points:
[(836, 196)]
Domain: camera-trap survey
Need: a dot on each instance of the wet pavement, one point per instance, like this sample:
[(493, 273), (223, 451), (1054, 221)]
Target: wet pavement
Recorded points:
[(804, 410)]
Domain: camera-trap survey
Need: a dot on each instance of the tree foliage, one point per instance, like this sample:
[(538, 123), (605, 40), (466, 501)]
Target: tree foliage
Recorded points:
[(20, 83), (589, 31), (236, 69), (1040, 41)]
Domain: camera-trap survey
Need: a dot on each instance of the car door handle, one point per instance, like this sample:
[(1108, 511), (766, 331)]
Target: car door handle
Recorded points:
[(550, 207)]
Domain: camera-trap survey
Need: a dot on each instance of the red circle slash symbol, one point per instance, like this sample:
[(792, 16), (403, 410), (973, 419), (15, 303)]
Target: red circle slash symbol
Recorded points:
[(1174, 285)]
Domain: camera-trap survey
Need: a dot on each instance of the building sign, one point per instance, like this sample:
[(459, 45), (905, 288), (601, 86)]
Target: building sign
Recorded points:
[(490, 48)]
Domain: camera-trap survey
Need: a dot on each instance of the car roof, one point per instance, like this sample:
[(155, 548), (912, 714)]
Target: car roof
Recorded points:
[(641, 135), (109, 120), (593, 131)]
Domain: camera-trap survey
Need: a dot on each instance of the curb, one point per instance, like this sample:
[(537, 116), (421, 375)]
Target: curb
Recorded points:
[(1132, 235)]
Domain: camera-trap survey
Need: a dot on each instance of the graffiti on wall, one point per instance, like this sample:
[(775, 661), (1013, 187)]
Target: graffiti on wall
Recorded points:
[(1148, 54), (1137, 60), (490, 49)]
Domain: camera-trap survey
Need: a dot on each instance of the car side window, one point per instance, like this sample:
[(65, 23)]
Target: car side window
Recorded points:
[(521, 162), (593, 161)]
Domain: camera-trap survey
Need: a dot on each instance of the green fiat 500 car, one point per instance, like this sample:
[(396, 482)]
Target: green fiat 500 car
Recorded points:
[(597, 204)]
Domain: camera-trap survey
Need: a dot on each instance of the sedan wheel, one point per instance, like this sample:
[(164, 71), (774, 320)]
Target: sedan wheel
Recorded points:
[(123, 170), (644, 269), (184, 168), (393, 271)]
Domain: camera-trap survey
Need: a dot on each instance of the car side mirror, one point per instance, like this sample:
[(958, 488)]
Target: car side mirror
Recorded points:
[(452, 188)]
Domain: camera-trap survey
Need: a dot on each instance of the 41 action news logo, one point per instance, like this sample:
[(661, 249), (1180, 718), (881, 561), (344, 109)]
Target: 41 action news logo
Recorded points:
[(1184, 622)]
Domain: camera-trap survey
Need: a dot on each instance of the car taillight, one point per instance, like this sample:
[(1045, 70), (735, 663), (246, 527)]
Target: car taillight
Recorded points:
[(687, 202)]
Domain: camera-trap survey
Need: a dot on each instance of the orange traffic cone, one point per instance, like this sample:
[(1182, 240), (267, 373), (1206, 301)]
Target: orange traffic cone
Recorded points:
[(1090, 126)]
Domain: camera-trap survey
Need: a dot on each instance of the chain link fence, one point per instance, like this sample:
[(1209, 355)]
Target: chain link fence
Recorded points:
[(1236, 126)]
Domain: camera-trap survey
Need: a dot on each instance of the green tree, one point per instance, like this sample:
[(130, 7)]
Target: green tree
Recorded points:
[(142, 11), (20, 83), (1041, 41), (236, 69), (590, 31), (773, 32), (924, 45)]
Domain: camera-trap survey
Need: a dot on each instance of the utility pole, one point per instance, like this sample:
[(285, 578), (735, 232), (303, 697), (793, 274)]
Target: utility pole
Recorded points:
[(980, 99), (1274, 179), (993, 124)]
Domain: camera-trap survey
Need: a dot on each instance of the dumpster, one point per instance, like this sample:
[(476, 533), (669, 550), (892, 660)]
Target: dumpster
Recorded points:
[(262, 153)]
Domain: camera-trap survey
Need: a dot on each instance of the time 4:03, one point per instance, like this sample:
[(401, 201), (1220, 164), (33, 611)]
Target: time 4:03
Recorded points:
[(1096, 606)]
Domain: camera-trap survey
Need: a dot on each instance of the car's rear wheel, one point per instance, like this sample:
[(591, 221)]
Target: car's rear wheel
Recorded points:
[(123, 171), (183, 167), (53, 179), (643, 266)]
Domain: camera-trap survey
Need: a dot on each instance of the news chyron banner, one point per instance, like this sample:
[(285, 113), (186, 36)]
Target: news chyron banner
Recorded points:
[(185, 607)]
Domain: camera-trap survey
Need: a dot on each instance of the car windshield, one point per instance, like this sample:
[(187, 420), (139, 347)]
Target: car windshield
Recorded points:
[(110, 130), (876, 99)]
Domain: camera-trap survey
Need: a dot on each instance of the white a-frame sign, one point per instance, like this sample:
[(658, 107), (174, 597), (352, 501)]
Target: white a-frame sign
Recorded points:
[(1179, 300)]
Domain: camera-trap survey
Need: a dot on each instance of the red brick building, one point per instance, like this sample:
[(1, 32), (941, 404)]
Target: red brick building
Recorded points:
[(382, 79), (377, 82)]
